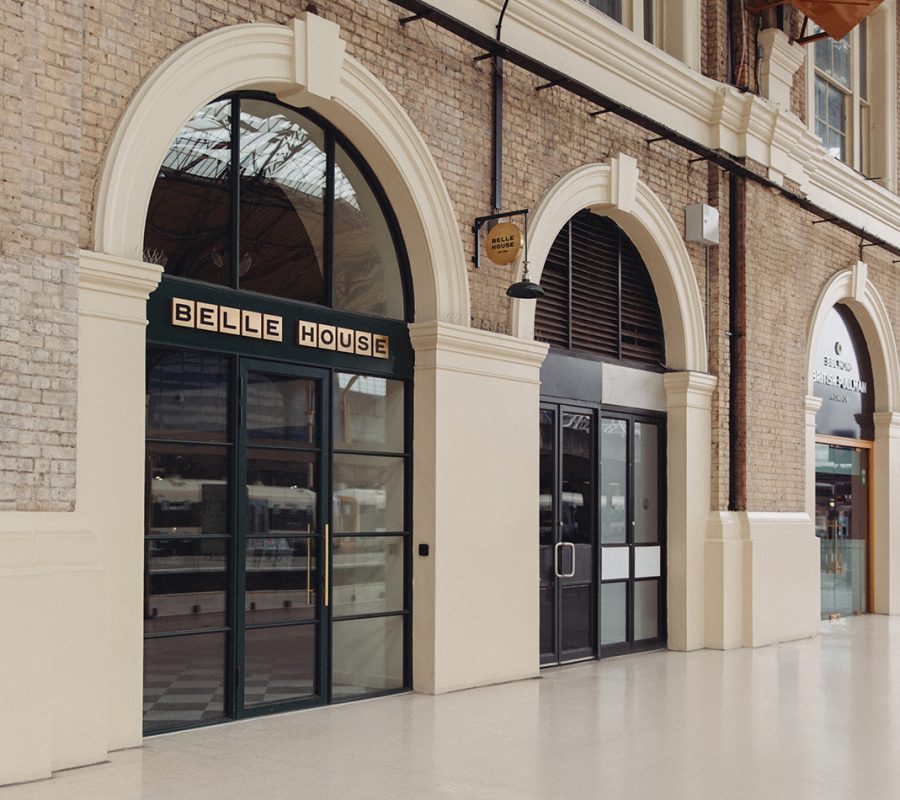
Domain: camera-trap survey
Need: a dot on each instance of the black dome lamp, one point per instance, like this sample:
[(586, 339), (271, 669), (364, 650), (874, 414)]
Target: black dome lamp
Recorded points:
[(525, 289)]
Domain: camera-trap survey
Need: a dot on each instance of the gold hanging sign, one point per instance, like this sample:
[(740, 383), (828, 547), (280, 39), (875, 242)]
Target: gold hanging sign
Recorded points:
[(503, 243)]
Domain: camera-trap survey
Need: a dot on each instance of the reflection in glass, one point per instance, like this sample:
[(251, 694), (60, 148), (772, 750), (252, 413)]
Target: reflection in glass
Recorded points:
[(613, 612), (368, 493), (547, 476), (281, 579), (282, 169), (281, 409), (646, 610), (279, 664), (366, 269), (368, 413), (281, 491), (190, 209), (187, 395), (367, 575), (367, 656), (577, 618), (188, 489), (646, 482), (185, 584), (184, 680), (613, 481), (577, 492)]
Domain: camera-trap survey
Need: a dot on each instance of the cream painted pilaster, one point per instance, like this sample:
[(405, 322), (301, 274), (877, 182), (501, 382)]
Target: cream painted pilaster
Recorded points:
[(688, 426), (813, 404), (886, 529), (475, 504), (111, 388)]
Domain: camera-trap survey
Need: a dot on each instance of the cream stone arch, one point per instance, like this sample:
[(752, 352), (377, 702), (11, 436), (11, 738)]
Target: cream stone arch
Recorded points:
[(615, 190), (304, 63), (853, 288)]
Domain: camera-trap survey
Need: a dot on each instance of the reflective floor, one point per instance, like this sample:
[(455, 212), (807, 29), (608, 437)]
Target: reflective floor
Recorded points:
[(819, 718)]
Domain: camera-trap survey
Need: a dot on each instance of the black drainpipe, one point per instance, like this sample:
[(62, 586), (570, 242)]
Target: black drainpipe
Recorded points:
[(737, 385), (497, 129)]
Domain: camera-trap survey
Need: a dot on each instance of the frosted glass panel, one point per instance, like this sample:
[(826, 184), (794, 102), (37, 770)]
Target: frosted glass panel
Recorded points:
[(647, 562), (614, 563), (646, 610), (613, 618)]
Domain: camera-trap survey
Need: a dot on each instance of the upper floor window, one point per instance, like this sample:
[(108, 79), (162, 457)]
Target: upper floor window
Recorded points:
[(259, 196), (851, 95), (842, 110), (641, 16)]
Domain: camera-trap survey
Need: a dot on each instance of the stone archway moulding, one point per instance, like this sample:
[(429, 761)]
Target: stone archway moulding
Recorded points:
[(853, 288), (615, 190), (304, 63)]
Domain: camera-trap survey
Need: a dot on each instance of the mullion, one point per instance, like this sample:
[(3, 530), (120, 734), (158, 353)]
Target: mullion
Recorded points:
[(234, 232)]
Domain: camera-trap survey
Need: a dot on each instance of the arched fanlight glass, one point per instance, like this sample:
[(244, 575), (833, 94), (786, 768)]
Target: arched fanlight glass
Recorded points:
[(299, 218)]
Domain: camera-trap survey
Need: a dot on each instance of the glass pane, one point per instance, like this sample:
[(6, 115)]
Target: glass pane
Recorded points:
[(822, 52), (279, 664), (187, 395), (281, 492), (184, 584), (612, 8), (281, 409), (188, 488), (836, 108), (577, 478), (366, 270), (281, 579), (821, 91), (190, 208), (368, 494), (841, 53), (366, 575), (547, 479), (863, 59), (548, 621), (367, 656), (646, 610), (577, 622), (283, 168), (613, 480), (613, 613), (184, 680), (368, 413), (646, 482)]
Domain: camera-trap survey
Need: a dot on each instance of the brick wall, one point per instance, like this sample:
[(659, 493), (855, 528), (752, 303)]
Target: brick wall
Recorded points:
[(41, 70)]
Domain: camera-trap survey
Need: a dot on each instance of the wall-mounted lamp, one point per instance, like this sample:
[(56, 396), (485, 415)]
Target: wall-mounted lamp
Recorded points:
[(502, 246)]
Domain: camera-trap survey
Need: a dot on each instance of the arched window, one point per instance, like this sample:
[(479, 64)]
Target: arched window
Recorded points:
[(599, 298), (258, 196)]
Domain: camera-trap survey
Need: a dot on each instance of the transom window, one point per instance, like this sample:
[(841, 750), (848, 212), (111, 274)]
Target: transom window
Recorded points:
[(258, 196)]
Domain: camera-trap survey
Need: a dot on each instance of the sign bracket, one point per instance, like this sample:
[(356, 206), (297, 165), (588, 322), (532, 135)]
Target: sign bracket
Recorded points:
[(480, 222)]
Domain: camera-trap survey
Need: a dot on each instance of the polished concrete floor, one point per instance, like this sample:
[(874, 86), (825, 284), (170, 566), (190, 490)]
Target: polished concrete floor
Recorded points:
[(818, 718)]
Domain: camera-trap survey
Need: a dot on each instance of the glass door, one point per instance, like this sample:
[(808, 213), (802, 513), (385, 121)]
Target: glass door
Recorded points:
[(283, 535), (567, 534), (842, 526), (632, 534)]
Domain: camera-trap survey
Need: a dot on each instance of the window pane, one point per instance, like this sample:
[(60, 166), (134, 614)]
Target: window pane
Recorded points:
[(184, 680), (187, 395), (188, 488), (187, 221), (646, 482), (283, 168), (368, 413), (368, 494), (841, 72), (613, 612), (612, 8), (578, 487), (279, 664), (836, 109), (367, 575), (367, 656), (366, 269), (281, 579), (613, 472), (282, 488), (281, 409), (184, 584), (646, 610)]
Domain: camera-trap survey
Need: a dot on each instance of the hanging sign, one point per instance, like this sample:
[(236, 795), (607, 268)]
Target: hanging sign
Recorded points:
[(503, 243)]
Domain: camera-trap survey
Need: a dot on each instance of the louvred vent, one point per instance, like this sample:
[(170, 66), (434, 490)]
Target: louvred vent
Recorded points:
[(599, 298)]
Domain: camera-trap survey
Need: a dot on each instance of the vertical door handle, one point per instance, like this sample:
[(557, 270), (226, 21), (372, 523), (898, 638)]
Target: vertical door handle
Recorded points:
[(327, 561), (556, 549), (308, 563)]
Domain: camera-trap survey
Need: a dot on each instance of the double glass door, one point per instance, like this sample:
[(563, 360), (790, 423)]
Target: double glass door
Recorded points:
[(842, 527), (602, 533), (277, 542)]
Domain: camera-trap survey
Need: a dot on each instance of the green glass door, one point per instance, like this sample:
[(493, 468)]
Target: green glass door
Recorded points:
[(842, 527)]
